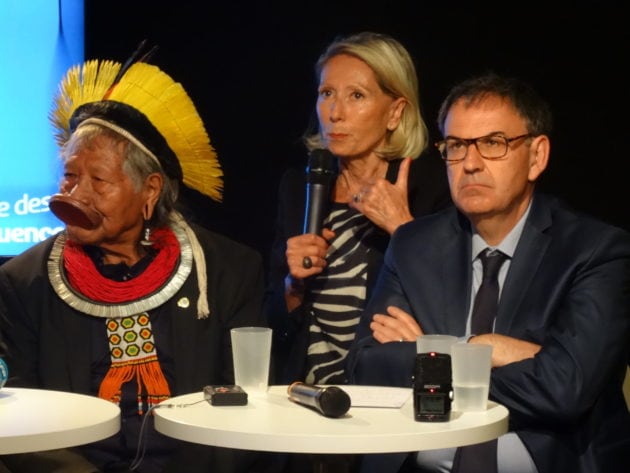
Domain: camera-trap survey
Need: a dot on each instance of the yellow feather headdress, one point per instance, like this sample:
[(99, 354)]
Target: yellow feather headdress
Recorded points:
[(149, 108)]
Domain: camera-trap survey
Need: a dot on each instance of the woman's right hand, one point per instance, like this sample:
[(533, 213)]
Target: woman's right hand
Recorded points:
[(308, 245), (299, 247)]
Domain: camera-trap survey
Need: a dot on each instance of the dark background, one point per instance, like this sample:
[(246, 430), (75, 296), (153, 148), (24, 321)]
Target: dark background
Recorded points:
[(248, 66)]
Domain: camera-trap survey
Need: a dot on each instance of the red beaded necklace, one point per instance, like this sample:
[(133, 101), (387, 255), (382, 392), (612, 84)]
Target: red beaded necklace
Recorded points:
[(85, 278)]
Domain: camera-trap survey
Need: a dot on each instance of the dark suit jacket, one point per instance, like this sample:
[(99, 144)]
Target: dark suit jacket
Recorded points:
[(428, 192), (568, 289)]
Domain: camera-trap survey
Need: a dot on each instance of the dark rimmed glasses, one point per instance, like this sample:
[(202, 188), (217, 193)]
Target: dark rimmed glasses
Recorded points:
[(490, 147)]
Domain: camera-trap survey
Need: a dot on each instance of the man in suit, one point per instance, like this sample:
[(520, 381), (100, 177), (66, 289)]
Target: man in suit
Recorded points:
[(561, 333)]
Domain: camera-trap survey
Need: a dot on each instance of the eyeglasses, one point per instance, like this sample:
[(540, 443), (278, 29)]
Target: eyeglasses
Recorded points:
[(490, 147)]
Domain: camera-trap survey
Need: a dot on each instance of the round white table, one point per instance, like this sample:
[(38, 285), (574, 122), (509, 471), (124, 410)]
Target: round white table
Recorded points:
[(33, 420), (273, 423)]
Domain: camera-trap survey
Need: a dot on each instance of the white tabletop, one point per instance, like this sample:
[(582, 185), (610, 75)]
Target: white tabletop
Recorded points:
[(274, 423), (33, 420)]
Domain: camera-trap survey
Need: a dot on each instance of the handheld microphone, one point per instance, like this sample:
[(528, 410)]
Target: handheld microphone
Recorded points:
[(330, 401), (320, 172)]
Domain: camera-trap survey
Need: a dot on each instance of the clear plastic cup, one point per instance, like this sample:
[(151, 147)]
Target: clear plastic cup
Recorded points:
[(471, 365), (251, 352)]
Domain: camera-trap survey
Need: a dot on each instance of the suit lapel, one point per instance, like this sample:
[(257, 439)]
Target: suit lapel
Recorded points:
[(529, 253), (456, 255), (77, 343)]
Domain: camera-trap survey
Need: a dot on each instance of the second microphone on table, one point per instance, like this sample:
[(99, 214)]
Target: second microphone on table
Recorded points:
[(330, 401)]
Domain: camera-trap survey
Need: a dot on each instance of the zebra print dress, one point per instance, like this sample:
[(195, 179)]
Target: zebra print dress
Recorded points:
[(337, 296)]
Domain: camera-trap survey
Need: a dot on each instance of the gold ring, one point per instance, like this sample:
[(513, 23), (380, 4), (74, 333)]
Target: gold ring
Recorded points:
[(307, 262)]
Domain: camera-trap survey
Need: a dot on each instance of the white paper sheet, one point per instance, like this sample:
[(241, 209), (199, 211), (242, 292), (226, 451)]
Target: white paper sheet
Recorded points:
[(377, 396)]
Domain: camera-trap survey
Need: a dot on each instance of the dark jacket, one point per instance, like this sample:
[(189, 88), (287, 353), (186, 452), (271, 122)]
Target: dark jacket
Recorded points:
[(50, 343), (567, 289)]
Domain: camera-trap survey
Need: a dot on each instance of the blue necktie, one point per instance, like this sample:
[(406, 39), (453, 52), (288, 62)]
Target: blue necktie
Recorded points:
[(482, 457)]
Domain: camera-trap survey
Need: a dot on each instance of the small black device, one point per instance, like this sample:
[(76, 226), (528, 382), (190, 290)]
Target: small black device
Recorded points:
[(432, 387), (225, 395)]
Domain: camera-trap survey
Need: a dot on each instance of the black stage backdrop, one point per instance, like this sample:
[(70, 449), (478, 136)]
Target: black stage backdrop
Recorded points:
[(248, 66)]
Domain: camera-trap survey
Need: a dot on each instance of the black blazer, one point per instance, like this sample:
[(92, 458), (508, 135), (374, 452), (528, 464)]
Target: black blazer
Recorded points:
[(50, 344), (428, 192), (567, 289)]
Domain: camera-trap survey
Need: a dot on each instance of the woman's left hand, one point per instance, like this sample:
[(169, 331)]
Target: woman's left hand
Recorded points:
[(386, 204)]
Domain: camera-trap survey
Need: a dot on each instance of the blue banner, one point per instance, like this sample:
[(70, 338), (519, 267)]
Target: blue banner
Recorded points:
[(41, 39)]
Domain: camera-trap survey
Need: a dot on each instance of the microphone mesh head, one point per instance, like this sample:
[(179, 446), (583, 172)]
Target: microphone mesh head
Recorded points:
[(334, 401)]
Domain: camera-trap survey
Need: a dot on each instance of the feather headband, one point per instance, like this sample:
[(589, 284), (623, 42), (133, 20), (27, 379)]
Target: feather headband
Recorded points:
[(144, 104)]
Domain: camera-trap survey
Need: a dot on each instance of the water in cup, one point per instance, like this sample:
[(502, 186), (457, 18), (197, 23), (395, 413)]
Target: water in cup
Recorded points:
[(469, 397), (471, 376)]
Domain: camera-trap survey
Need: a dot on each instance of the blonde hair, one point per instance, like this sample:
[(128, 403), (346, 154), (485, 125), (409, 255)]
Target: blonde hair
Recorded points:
[(396, 76)]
